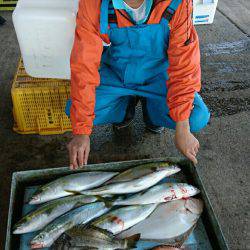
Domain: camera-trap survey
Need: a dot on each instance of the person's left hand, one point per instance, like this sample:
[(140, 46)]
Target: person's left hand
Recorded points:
[(186, 142), (79, 148)]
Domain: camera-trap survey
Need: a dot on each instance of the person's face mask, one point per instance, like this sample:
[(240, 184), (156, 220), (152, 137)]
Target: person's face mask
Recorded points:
[(139, 16)]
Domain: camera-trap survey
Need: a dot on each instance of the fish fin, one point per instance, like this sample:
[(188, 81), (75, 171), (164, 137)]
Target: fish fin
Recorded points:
[(185, 236), (104, 231), (79, 227), (63, 240), (132, 240), (73, 192), (108, 202), (109, 182), (143, 192), (84, 226)]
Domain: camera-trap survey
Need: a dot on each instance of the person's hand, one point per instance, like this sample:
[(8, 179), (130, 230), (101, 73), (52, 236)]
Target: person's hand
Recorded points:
[(79, 148), (186, 142)]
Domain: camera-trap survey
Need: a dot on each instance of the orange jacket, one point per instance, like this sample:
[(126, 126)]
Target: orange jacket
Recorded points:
[(184, 61)]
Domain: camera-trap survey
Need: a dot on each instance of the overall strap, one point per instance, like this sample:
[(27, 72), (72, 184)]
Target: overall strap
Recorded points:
[(104, 17), (108, 16), (171, 9), (111, 13)]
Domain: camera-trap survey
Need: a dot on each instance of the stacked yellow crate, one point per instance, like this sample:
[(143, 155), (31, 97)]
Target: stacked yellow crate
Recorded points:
[(7, 4), (38, 104)]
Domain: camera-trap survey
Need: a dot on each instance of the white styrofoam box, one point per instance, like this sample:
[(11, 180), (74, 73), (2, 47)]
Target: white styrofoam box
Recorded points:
[(204, 11), (45, 31)]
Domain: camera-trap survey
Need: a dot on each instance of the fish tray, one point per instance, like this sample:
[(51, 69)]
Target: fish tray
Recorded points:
[(207, 234)]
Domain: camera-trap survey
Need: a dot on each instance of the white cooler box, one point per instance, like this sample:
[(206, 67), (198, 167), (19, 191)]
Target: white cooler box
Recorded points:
[(204, 11), (45, 31)]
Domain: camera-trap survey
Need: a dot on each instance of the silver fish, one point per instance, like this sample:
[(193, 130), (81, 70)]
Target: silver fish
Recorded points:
[(80, 215), (170, 223), (80, 237), (123, 218), (46, 213), (145, 169), (74, 182), (133, 186), (123, 166), (160, 193)]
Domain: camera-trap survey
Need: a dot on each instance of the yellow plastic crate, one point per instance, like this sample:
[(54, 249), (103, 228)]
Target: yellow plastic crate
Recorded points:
[(7, 4), (38, 104)]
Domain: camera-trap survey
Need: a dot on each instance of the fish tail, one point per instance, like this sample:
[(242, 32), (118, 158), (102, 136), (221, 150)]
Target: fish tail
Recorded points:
[(15, 230), (132, 240)]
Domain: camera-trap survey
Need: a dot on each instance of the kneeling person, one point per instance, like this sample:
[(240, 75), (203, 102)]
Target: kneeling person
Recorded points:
[(153, 56)]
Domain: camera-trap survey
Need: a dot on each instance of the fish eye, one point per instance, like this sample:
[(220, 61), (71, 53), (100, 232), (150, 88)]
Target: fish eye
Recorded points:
[(41, 236)]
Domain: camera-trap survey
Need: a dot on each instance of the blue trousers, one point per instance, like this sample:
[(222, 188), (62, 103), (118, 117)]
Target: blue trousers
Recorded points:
[(112, 98)]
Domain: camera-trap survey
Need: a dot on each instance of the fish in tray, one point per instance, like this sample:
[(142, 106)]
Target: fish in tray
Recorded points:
[(80, 215), (158, 194), (75, 182), (170, 223), (46, 213), (123, 218), (134, 185), (145, 169), (80, 237)]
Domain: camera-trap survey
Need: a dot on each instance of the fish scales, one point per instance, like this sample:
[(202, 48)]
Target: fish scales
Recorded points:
[(74, 182), (145, 169), (123, 218), (170, 223), (91, 237), (132, 186), (81, 215), (160, 193), (42, 216)]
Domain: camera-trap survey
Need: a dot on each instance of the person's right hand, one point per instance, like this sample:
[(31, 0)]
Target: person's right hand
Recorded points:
[(79, 148)]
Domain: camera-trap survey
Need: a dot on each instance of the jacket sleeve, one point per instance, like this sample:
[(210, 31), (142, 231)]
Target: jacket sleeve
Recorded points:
[(184, 64), (85, 61)]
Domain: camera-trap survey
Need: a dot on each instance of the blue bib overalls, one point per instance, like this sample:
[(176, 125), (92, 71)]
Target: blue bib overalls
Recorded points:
[(135, 64)]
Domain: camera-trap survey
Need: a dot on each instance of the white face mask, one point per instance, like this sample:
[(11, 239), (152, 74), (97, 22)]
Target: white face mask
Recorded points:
[(139, 15)]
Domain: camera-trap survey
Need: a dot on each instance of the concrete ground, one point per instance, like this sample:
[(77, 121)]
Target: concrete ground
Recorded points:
[(224, 155)]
